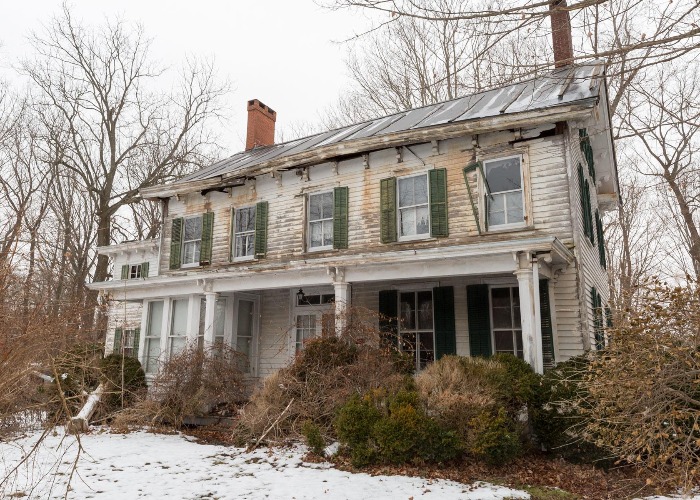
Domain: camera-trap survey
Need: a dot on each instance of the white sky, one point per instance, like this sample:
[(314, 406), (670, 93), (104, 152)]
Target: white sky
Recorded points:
[(281, 52)]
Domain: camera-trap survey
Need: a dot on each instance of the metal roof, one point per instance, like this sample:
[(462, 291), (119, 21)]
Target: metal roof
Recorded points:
[(561, 87)]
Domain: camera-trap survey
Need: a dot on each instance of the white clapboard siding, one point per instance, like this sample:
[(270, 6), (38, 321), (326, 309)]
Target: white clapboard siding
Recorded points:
[(121, 314)]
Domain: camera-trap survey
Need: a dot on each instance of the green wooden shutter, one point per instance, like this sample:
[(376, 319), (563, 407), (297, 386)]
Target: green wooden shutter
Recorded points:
[(125, 272), (444, 317), (207, 238), (387, 209), (232, 236), (388, 317), (117, 341), (547, 327), (479, 320), (261, 229), (597, 319), (601, 241), (137, 339), (589, 215), (144, 269), (176, 243), (340, 217), (608, 317), (438, 203)]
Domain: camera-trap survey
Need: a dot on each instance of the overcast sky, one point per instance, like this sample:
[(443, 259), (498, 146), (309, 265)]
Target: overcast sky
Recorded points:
[(284, 53)]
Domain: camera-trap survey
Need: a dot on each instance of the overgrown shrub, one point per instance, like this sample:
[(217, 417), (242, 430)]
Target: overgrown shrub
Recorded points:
[(643, 398), (78, 373), (393, 428), (556, 415), (313, 437), (321, 379), (191, 383), (495, 438), (124, 382)]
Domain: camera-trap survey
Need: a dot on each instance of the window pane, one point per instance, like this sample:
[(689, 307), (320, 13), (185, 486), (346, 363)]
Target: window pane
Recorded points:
[(327, 205), (496, 211), (178, 325), (327, 233), (250, 244), (425, 310), (503, 175), (514, 207), (406, 198), (427, 349), (408, 311), (219, 317), (306, 329), (316, 234), (422, 218), (155, 318), (244, 321), (315, 207), (408, 221), (500, 297), (177, 344), (152, 354), (408, 343), (420, 189), (504, 341), (193, 228), (245, 219)]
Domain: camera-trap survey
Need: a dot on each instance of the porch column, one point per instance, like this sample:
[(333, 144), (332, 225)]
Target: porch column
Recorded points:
[(193, 319), (342, 298), (209, 315), (528, 322)]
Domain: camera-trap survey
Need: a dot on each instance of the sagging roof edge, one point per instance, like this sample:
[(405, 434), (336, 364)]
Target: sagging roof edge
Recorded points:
[(576, 110)]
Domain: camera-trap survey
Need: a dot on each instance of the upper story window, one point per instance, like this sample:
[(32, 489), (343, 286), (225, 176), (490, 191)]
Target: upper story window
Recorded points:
[(504, 201), (191, 241), (413, 207), (321, 221), (414, 212), (135, 271), (244, 233)]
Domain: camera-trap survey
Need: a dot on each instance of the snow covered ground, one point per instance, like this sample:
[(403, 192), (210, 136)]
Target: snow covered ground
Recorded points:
[(144, 465)]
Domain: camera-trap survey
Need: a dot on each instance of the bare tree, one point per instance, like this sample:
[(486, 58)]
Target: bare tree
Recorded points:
[(118, 133)]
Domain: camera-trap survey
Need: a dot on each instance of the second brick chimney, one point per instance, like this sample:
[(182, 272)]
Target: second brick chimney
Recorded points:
[(561, 33), (261, 125)]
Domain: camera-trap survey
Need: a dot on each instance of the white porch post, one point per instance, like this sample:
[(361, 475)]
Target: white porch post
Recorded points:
[(342, 298), (527, 290), (539, 355), (193, 319), (209, 315)]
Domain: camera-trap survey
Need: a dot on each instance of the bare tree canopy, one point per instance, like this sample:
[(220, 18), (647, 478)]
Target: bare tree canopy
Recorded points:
[(109, 127)]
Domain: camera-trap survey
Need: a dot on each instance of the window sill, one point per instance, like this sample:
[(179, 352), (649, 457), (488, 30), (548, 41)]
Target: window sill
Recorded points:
[(320, 249), (247, 258), (509, 229), (417, 237), (413, 240)]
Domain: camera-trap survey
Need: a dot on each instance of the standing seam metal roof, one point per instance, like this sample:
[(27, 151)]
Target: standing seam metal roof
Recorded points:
[(561, 87)]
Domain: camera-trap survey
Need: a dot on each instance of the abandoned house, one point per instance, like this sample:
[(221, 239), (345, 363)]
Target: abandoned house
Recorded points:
[(472, 226)]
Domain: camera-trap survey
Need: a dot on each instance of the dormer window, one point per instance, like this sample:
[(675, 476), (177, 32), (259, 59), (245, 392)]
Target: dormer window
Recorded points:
[(134, 271), (504, 199)]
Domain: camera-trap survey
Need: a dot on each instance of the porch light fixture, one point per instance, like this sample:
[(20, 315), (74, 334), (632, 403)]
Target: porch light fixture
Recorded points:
[(301, 296)]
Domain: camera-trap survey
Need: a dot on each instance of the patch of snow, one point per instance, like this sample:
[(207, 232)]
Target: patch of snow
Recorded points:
[(145, 465)]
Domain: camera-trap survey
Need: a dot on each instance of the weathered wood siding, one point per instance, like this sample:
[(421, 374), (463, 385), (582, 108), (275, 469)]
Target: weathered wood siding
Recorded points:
[(133, 258), (590, 272), (287, 232), (121, 314)]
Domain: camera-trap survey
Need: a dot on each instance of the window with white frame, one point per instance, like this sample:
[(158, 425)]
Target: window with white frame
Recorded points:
[(505, 320), (128, 338), (154, 329), (416, 327), (305, 329), (505, 203), (134, 271), (413, 207), (177, 337), (191, 240), (245, 330), (244, 233), (219, 323), (321, 221)]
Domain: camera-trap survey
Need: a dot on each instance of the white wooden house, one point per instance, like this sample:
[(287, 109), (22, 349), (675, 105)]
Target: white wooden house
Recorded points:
[(475, 221)]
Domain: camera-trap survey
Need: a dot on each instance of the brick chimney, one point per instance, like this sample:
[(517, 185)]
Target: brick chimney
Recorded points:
[(561, 33), (261, 125)]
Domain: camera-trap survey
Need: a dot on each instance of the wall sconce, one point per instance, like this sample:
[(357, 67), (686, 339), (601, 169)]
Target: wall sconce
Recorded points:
[(301, 297)]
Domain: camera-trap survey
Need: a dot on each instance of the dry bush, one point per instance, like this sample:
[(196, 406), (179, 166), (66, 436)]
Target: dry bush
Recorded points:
[(643, 398), (193, 382), (455, 390), (321, 379)]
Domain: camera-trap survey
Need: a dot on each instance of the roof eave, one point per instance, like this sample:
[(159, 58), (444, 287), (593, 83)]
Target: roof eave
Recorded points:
[(576, 110)]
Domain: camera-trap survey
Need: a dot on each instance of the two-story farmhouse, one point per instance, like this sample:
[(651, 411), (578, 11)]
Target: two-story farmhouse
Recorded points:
[(475, 222)]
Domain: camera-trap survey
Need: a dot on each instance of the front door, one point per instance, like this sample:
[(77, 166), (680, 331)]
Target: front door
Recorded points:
[(245, 331)]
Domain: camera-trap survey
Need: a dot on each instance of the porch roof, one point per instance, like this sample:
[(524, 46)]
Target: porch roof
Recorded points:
[(463, 260)]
